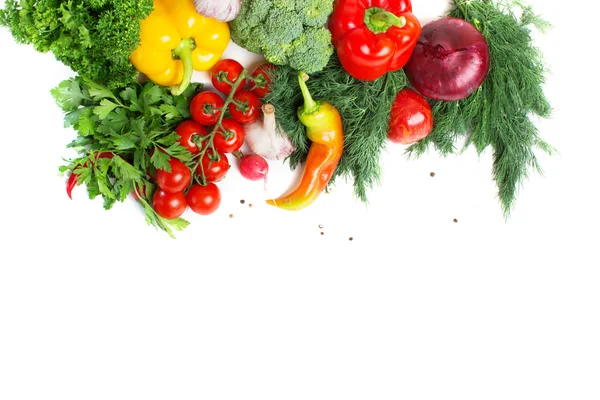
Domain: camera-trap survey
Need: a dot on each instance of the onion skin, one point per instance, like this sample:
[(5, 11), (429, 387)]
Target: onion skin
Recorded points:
[(450, 61)]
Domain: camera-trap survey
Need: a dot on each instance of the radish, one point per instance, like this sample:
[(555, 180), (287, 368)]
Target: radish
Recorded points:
[(254, 167), (450, 61)]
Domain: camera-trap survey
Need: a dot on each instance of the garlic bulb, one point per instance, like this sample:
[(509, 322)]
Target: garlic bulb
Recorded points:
[(266, 138), (221, 10)]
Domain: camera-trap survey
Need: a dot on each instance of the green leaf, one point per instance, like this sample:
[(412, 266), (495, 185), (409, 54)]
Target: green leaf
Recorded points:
[(170, 111), (105, 107), (125, 142), (101, 165), (109, 202), (80, 144), (71, 118), (160, 160), (125, 170), (178, 223), (97, 91), (67, 16), (140, 159), (151, 94), (68, 94), (178, 151), (86, 122), (138, 127), (183, 107), (92, 188), (104, 186), (84, 37), (155, 111), (117, 120), (85, 174), (130, 95), (169, 139)]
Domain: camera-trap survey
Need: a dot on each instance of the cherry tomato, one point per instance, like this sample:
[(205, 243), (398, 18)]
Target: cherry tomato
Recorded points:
[(186, 131), (176, 180), (231, 139), (169, 205), (205, 107), (248, 108), (411, 118), (226, 69), (204, 200), (261, 85), (213, 170)]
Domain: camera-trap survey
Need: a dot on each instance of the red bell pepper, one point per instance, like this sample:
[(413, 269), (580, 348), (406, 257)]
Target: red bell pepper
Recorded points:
[(373, 37)]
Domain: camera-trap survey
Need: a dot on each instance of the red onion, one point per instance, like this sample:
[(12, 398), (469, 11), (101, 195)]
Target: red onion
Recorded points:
[(450, 61)]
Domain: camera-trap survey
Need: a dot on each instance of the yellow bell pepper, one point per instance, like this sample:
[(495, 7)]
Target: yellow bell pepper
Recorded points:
[(175, 40)]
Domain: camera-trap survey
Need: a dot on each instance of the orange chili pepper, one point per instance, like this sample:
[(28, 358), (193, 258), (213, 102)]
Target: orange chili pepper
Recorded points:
[(324, 129)]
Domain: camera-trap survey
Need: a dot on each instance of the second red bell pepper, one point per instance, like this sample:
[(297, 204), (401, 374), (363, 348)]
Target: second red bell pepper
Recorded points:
[(373, 37)]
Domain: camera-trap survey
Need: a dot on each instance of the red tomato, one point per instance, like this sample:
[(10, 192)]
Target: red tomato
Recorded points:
[(176, 180), (205, 107), (411, 118), (247, 109), (186, 131), (169, 205), (260, 86), (226, 70), (231, 139), (204, 200), (213, 170)]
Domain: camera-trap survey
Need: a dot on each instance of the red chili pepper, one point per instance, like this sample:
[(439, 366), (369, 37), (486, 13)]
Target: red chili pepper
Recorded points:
[(373, 37), (72, 181)]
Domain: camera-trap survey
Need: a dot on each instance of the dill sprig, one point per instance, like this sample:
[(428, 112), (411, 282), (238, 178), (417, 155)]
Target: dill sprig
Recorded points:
[(363, 106), (499, 114)]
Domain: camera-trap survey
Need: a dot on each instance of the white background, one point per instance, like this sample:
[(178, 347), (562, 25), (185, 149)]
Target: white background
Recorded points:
[(96, 304)]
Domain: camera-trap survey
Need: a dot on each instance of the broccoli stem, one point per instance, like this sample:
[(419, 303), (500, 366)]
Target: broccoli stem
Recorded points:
[(184, 53)]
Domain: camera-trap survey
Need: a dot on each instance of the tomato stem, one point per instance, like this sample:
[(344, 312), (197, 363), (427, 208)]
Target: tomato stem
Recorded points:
[(219, 124)]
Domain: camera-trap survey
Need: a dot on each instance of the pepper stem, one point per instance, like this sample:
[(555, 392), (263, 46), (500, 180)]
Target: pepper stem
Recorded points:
[(310, 106), (379, 20), (184, 53)]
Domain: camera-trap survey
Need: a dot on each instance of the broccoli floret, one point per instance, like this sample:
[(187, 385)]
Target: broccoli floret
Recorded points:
[(280, 28), (287, 32), (277, 54), (312, 48), (315, 12), (287, 5)]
